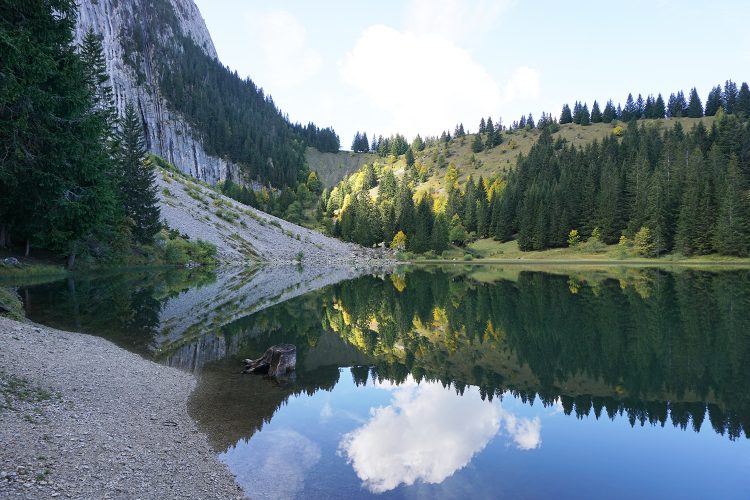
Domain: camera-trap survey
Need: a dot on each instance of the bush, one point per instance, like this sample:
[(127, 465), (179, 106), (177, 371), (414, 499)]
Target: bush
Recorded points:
[(643, 242), (468, 256), (574, 239)]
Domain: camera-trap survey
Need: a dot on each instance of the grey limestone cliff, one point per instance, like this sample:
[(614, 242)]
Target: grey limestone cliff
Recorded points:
[(168, 134)]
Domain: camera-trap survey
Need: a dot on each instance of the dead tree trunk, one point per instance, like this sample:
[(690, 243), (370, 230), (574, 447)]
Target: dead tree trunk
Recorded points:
[(276, 361)]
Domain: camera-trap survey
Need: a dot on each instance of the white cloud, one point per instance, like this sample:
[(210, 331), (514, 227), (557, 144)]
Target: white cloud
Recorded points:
[(282, 42), (425, 83), (427, 434), (454, 19)]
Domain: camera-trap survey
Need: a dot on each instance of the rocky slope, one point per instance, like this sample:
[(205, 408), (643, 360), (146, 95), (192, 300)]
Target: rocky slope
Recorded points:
[(242, 233), (168, 134)]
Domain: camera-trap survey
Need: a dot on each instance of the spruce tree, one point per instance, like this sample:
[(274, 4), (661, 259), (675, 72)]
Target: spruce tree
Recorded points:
[(585, 117), (729, 96), (477, 146), (733, 226), (743, 101), (596, 114), (695, 107), (440, 234), (54, 181), (565, 115), (659, 107), (136, 179), (610, 113), (713, 101)]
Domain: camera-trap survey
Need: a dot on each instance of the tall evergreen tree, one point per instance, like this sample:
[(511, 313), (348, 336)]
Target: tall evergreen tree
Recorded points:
[(743, 101), (713, 102), (565, 115), (596, 114), (440, 234), (136, 179), (55, 186), (659, 107), (695, 107), (610, 113), (733, 226), (729, 96)]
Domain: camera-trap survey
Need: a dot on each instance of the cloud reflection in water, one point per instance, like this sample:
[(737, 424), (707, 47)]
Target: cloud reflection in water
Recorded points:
[(427, 433)]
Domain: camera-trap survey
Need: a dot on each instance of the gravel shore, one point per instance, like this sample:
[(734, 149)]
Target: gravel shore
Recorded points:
[(82, 418)]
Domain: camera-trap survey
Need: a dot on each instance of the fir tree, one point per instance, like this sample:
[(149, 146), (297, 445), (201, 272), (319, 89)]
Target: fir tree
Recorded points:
[(137, 179), (659, 108), (733, 226), (440, 234), (729, 96), (713, 102), (565, 115), (743, 101), (596, 114), (695, 107), (610, 113)]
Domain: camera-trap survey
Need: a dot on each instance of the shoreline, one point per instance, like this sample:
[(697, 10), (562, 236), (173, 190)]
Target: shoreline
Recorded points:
[(589, 262), (83, 418)]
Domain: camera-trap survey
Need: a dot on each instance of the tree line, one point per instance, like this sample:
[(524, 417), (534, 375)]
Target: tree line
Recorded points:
[(731, 99), (687, 321), (235, 118), (673, 190)]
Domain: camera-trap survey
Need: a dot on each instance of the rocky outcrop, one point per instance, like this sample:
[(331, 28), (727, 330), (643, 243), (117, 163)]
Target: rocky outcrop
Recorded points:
[(167, 132)]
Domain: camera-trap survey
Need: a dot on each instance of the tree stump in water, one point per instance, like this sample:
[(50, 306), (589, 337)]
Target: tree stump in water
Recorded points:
[(278, 360)]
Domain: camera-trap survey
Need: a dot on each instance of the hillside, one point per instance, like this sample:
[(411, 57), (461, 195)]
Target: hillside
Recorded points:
[(242, 233), (197, 114), (503, 157)]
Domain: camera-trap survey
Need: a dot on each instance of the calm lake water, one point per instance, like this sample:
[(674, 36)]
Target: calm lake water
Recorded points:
[(479, 382)]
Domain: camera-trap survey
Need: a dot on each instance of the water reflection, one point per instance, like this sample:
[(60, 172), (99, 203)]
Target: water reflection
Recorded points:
[(427, 433), (452, 382)]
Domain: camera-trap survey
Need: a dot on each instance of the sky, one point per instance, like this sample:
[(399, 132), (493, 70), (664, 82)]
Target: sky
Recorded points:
[(423, 66)]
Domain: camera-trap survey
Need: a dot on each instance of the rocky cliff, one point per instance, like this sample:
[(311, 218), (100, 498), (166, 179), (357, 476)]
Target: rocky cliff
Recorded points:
[(168, 134)]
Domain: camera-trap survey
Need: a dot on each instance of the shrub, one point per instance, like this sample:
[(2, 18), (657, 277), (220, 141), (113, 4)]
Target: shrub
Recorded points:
[(643, 242), (574, 239)]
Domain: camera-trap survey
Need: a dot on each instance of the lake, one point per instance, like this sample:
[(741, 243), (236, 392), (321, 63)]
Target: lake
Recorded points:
[(450, 382)]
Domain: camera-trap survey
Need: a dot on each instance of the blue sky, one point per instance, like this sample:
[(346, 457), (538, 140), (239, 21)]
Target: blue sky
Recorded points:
[(421, 66)]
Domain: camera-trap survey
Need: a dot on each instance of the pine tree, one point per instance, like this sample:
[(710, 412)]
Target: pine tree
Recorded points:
[(713, 102), (585, 117), (55, 185), (695, 107), (659, 108), (136, 179), (477, 146), (610, 113), (92, 56), (482, 126), (630, 112), (440, 234), (743, 101), (729, 96), (596, 114), (565, 115), (409, 158), (733, 226), (696, 217)]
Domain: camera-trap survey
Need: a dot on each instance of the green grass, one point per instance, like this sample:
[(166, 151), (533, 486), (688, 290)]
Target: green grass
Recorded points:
[(14, 389), (29, 270), (504, 156), (491, 251)]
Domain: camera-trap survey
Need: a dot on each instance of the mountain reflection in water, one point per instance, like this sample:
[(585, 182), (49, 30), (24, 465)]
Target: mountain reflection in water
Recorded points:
[(448, 382)]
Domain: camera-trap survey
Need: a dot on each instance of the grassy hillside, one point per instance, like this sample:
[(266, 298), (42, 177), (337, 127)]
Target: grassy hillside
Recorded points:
[(503, 157)]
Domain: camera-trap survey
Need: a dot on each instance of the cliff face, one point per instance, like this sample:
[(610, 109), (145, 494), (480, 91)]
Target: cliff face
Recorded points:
[(168, 134)]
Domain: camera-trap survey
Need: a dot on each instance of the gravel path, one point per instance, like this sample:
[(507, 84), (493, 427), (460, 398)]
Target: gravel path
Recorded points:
[(82, 418)]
